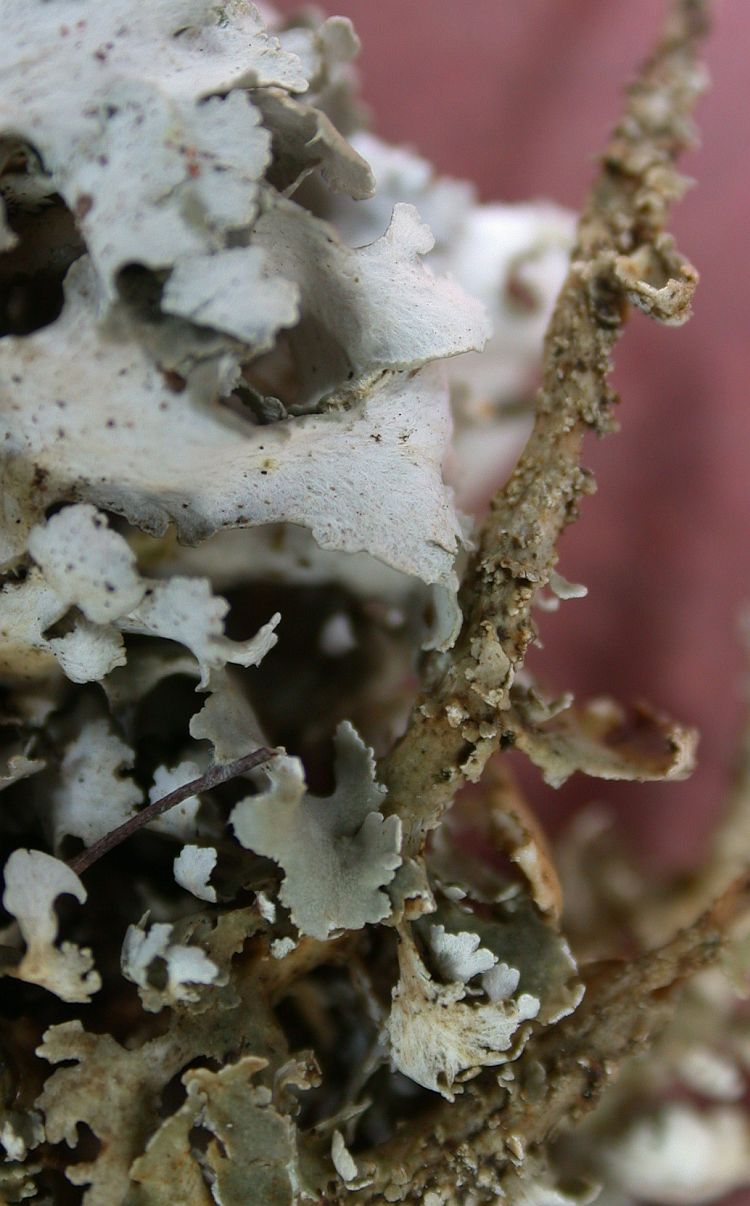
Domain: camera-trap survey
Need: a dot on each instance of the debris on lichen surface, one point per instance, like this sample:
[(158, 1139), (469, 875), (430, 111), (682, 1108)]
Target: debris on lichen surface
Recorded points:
[(323, 949)]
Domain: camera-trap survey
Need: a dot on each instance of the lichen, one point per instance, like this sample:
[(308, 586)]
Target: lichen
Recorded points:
[(256, 653)]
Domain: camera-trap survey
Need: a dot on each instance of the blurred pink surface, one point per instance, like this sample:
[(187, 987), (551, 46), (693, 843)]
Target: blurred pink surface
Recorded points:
[(519, 98)]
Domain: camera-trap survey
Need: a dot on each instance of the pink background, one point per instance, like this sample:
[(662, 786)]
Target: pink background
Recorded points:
[(518, 97)]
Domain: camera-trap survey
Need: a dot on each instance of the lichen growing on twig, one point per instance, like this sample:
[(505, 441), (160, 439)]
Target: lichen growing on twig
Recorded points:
[(252, 652)]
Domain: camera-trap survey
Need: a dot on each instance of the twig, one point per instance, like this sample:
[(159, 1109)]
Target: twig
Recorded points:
[(213, 777), (622, 256)]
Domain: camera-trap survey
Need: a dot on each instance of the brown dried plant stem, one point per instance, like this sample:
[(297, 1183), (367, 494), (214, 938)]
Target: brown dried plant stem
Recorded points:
[(622, 256), (213, 777)]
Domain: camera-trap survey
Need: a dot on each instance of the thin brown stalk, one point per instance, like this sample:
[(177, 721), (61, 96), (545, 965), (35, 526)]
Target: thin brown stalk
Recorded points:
[(214, 776)]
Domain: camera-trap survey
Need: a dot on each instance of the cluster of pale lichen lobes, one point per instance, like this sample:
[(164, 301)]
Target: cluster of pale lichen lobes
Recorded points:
[(244, 423)]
